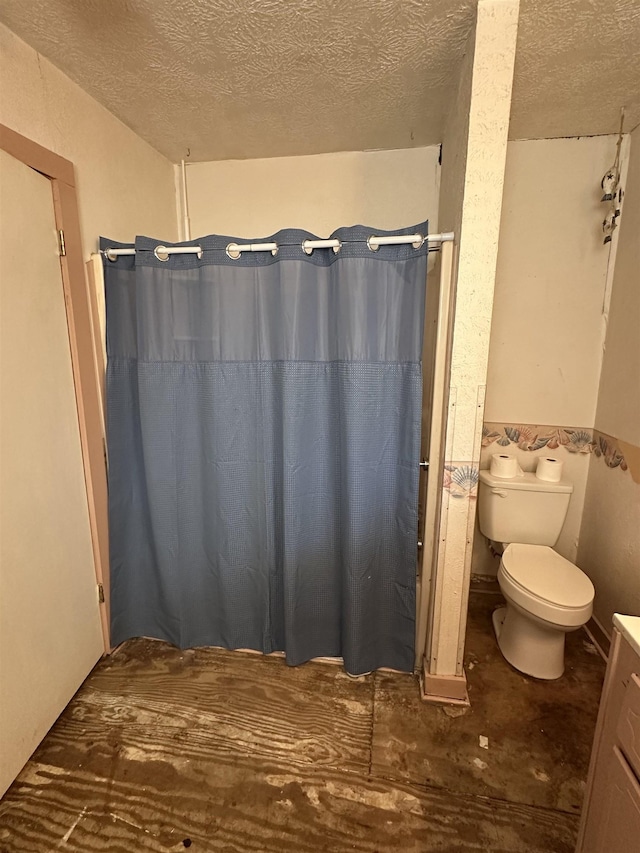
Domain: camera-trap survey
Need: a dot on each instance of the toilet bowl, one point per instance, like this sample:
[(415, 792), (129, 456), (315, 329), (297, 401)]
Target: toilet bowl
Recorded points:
[(547, 596)]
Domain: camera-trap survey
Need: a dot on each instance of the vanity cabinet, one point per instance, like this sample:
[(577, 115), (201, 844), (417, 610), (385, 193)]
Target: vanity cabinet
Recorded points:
[(611, 811)]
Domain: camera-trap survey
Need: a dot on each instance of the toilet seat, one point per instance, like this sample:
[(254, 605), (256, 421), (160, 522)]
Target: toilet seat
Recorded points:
[(545, 584), (547, 575)]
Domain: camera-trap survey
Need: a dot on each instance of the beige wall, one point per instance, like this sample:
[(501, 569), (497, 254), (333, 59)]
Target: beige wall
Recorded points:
[(610, 534), (618, 411), (547, 330), (319, 193), (125, 187), (547, 326), (609, 549)]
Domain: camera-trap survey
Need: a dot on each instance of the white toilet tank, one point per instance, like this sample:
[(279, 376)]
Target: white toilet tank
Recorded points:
[(522, 509)]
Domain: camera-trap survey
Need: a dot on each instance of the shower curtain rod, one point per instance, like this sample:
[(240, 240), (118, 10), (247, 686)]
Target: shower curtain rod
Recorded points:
[(234, 250)]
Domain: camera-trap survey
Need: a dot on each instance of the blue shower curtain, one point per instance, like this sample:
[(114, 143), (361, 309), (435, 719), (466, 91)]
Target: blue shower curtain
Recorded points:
[(263, 421)]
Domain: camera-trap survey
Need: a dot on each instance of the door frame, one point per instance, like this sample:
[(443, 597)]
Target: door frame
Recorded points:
[(427, 615), (61, 174)]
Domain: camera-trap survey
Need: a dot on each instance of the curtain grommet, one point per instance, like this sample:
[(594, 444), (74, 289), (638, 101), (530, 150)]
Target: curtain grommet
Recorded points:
[(233, 251), (337, 248), (108, 253), (420, 243), (161, 253), (372, 246), (308, 250)]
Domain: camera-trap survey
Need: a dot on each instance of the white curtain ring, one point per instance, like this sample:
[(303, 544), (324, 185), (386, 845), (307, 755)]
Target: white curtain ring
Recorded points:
[(371, 248), (337, 248), (308, 250), (233, 251), (161, 253), (419, 244), (108, 253)]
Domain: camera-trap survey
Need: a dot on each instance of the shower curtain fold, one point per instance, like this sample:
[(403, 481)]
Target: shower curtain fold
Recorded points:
[(263, 426)]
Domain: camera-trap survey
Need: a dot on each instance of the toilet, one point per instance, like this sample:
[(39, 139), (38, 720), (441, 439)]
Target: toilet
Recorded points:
[(547, 596)]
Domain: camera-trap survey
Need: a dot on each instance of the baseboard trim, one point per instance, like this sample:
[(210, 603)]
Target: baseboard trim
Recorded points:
[(443, 689), (598, 637)]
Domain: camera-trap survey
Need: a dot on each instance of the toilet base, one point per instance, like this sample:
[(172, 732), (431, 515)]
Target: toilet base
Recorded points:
[(497, 617), (529, 646)]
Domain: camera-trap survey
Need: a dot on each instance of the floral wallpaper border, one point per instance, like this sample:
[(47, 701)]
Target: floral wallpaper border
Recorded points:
[(573, 439), (461, 478)]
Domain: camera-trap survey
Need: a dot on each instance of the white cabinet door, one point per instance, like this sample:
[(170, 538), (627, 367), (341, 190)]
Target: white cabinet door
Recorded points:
[(618, 827), (50, 634)]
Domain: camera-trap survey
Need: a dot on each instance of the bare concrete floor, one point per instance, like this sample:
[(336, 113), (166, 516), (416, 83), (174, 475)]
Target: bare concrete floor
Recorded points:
[(163, 750)]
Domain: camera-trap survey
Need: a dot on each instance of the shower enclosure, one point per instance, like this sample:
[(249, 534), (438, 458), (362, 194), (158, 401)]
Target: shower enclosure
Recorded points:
[(349, 592)]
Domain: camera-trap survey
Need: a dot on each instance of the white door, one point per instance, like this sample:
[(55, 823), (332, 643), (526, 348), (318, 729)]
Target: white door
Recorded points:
[(50, 634)]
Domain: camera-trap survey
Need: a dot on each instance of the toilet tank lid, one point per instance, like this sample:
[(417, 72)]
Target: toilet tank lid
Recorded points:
[(548, 575), (527, 482)]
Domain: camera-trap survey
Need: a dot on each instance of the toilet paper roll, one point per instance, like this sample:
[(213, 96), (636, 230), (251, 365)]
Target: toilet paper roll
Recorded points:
[(505, 466), (549, 469)]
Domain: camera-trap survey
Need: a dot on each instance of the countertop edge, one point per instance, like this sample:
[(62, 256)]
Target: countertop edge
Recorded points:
[(629, 627)]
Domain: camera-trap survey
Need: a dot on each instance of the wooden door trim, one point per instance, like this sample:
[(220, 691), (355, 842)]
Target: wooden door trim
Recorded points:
[(61, 173)]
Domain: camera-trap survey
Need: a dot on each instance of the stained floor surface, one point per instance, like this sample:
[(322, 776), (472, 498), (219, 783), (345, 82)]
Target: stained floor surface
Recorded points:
[(163, 750)]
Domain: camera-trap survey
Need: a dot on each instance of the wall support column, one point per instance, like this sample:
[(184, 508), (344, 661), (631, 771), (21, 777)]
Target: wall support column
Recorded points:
[(473, 164)]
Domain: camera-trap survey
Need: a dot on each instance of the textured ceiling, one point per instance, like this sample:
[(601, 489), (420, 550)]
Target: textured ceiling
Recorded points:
[(258, 78), (264, 78), (577, 63)]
